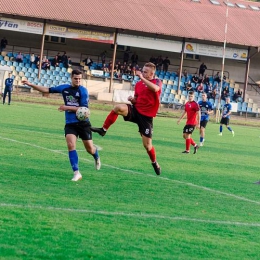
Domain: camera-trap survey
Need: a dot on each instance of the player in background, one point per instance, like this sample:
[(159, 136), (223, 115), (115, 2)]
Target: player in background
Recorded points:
[(143, 108), (192, 110), (74, 96), (205, 110), (226, 112)]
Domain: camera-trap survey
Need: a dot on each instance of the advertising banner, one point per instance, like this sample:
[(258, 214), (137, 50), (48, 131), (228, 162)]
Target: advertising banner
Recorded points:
[(215, 51), (79, 34), (149, 43), (21, 26)]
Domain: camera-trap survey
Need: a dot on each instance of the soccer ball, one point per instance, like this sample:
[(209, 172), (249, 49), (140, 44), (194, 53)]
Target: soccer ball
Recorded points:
[(82, 113)]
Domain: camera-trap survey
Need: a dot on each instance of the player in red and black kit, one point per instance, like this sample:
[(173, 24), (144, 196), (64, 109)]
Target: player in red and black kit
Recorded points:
[(192, 110), (143, 108)]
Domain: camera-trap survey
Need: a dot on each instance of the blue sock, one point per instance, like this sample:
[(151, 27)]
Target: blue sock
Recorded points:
[(229, 128), (74, 160), (95, 155), (220, 129)]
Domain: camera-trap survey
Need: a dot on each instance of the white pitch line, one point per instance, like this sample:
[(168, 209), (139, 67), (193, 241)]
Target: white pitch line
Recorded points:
[(133, 215), (153, 176)]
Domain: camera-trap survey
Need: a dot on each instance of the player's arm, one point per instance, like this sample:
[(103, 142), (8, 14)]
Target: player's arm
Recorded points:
[(153, 87), (132, 99), (36, 87), (182, 116), (199, 118), (68, 108)]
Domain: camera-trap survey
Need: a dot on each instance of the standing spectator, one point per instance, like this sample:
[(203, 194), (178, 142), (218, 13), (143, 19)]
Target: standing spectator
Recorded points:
[(166, 63), (59, 58), (64, 59), (67, 63), (37, 60), (88, 61), (3, 44), (32, 59), (143, 108), (206, 109), (153, 59), (126, 56), (8, 88), (202, 69), (159, 62), (103, 57), (226, 112), (74, 96), (134, 59), (19, 57), (192, 110)]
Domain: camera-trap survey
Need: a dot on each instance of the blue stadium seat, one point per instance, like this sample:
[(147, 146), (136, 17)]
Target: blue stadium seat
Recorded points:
[(1, 57), (3, 62), (64, 70)]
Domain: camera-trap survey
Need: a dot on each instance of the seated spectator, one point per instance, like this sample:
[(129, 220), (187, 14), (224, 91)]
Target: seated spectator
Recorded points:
[(188, 86), (195, 78), (32, 59), (217, 77), (55, 61), (224, 95), (214, 93), (209, 90), (46, 64), (200, 88), (237, 96), (67, 63), (206, 79), (44, 58), (226, 88), (19, 57), (88, 61), (185, 75), (105, 68), (37, 60)]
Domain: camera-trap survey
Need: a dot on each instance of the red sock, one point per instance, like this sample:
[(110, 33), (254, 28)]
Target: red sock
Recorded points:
[(111, 119), (152, 154), (188, 141), (192, 142)]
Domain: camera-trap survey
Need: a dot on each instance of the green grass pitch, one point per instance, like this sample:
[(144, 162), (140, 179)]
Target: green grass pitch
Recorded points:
[(203, 206)]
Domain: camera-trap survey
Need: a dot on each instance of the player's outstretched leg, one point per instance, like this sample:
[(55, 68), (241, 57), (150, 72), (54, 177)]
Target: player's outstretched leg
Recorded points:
[(196, 147), (111, 118), (220, 130), (97, 160)]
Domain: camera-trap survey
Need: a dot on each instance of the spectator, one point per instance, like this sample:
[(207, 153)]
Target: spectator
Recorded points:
[(44, 58), (103, 57), (88, 61), (64, 59), (159, 62), (134, 58), (32, 59), (202, 69), (55, 61), (37, 60), (46, 64), (237, 96), (217, 78), (166, 63), (226, 88), (206, 80), (59, 57), (200, 88), (3, 44), (153, 60), (185, 75), (224, 95), (195, 79), (19, 57), (188, 86), (209, 90), (67, 63), (126, 56)]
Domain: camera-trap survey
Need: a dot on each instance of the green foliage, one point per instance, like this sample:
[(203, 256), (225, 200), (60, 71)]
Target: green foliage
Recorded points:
[(202, 206)]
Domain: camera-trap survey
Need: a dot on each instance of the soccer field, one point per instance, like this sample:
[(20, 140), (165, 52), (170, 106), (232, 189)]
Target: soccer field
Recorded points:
[(202, 206)]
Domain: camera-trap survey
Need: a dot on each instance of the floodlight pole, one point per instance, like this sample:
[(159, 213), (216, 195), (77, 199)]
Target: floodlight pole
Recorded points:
[(113, 62), (42, 49), (222, 69)]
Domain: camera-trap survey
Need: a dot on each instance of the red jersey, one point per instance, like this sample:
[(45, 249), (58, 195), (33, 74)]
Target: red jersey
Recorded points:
[(147, 101), (191, 109)]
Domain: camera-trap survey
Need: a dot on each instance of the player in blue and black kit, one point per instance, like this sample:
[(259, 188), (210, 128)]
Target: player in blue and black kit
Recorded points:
[(8, 88), (74, 96), (225, 117), (206, 110)]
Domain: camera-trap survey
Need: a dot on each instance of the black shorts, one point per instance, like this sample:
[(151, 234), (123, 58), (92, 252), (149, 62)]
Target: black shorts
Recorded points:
[(145, 123), (224, 121), (188, 129), (203, 123), (81, 130)]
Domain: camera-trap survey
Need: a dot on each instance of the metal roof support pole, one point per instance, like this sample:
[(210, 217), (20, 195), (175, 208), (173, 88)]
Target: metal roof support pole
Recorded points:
[(248, 60), (181, 64), (113, 61), (42, 48), (222, 70)]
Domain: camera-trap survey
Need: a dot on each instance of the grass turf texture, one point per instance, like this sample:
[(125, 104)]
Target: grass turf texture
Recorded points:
[(202, 206)]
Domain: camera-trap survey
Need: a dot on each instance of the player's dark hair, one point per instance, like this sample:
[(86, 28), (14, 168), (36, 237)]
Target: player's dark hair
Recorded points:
[(191, 92), (76, 72)]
